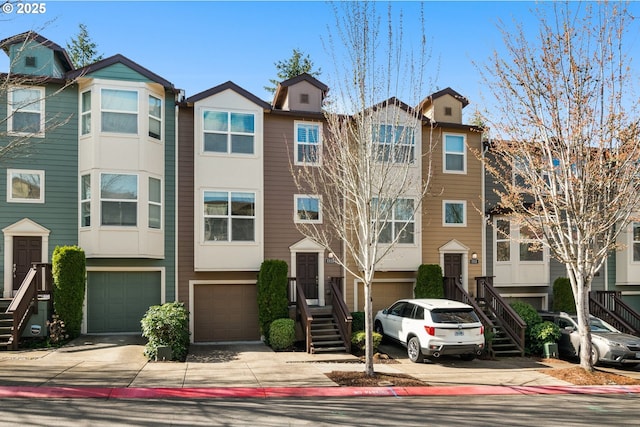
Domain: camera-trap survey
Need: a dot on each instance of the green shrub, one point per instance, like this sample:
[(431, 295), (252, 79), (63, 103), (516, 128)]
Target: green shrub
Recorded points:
[(542, 333), (359, 339), (69, 274), (531, 317), (272, 294), (429, 282), (282, 334), (563, 299), (166, 325), (357, 322)]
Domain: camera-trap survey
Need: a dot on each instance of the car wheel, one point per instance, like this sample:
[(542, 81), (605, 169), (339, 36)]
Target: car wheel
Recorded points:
[(467, 357), (595, 355), (378, 328), (414, 351)]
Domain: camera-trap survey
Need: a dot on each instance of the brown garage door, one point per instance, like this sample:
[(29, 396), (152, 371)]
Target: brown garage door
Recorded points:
[(385, 294), (225, 313)]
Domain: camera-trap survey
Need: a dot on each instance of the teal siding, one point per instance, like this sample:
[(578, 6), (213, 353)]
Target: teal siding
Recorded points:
[(56, 155), (118, 72), (170, 197), (45, 62)]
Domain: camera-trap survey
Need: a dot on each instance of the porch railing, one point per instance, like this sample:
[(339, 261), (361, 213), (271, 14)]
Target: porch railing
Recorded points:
[(608, 306), (306, 318), (38, 280), (511, 323), (340, 311)]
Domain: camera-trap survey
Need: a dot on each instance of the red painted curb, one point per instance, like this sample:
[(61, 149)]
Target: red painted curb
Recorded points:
[(283, 392)]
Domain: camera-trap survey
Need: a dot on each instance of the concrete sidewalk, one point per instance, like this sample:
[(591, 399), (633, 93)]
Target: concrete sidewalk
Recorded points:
[(104, 366)]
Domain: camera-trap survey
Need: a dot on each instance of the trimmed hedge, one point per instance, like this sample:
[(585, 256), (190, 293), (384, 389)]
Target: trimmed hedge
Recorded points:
[(282, 334), (531, 318), (272, 294), (357, 321), (429, 282), (166, 325), (563, 299), (359, 338), (69, 276)]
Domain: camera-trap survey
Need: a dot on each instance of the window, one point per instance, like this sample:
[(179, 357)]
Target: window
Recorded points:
[(30, 61), (400, 224), (503, 240), (447, 111), (454, 153), (119, 111), (85, 201), (636, 241), (155, 117), (119, 199), (26, 110), (228, 132), (530, 249), (308, 143), (155, 203), (307, 209), (394, 144), (85, 120), (229, 216), (454, 213), (25, 186), (304, 98)]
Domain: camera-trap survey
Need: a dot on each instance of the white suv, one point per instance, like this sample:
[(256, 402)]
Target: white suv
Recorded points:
[(432, 327)]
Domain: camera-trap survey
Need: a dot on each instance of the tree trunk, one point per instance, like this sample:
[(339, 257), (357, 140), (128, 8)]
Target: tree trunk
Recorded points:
[(368, 327)]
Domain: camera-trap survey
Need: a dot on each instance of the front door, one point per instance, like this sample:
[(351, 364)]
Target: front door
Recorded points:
[(453, 265), (25, 251), (307, 274)]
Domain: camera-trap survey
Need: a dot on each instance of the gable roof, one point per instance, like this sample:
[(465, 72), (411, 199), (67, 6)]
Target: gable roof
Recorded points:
[(231, 86), (59, 51), (121, 59), (283, 87), (425, 103)]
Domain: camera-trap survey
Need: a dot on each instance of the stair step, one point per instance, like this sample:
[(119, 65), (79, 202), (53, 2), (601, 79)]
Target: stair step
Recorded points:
[(336, 349)]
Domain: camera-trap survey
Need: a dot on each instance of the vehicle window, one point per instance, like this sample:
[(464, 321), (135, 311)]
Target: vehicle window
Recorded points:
[(396, 309), (408, 309), (465, 315), (563, 323), (598, 325), (418, 313)]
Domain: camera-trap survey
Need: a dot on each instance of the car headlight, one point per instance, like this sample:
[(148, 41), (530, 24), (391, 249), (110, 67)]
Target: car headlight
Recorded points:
[(615, 344)]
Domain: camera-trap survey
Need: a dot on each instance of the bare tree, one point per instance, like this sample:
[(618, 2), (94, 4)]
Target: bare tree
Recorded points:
[(24, 121), (372, 152), (567, 153)]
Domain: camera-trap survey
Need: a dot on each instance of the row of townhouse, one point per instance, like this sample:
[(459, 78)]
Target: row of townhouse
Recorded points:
[(176, 198)]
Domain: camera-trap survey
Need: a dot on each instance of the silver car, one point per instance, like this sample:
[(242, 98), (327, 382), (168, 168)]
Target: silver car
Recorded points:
[(608, 344)]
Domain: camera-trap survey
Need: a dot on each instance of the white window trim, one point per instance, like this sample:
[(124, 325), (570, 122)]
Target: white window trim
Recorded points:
[(394, 144), (393, 221), (297, 219), (137, 113), (297, 162), (152, 203), (444, 211), (229, 217), (83, 114), (160, 119), (11, 111), (228, 133), (632, 242), (136, 200), (11, 199), (496, 239), (88, 200), (520, 241), (464, 153)]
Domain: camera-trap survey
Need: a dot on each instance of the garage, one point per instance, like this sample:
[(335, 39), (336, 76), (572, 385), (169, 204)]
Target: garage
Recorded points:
[(117, 301), (386, 293), (225, 312)]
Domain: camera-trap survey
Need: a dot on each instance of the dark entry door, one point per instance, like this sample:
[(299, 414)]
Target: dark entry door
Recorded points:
[(307, 274), (453, 265), (25, 251)]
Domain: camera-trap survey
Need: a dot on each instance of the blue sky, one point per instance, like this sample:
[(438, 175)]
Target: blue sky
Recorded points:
[(200, 44)]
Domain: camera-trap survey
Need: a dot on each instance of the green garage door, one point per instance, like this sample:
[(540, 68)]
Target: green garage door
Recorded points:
[(116, 301)]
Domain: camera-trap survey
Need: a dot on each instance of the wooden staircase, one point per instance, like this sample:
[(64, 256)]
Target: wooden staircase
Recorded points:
[(495, 314), (325, 332), (6, 323), (609, 306)]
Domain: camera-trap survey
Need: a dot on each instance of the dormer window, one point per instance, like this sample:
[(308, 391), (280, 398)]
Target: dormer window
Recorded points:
[(304, 98), (30, 61), (447, 111)]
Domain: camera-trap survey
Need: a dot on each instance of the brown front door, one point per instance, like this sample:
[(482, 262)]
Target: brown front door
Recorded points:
[(307, 274), (453, 265), (25, 251)]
